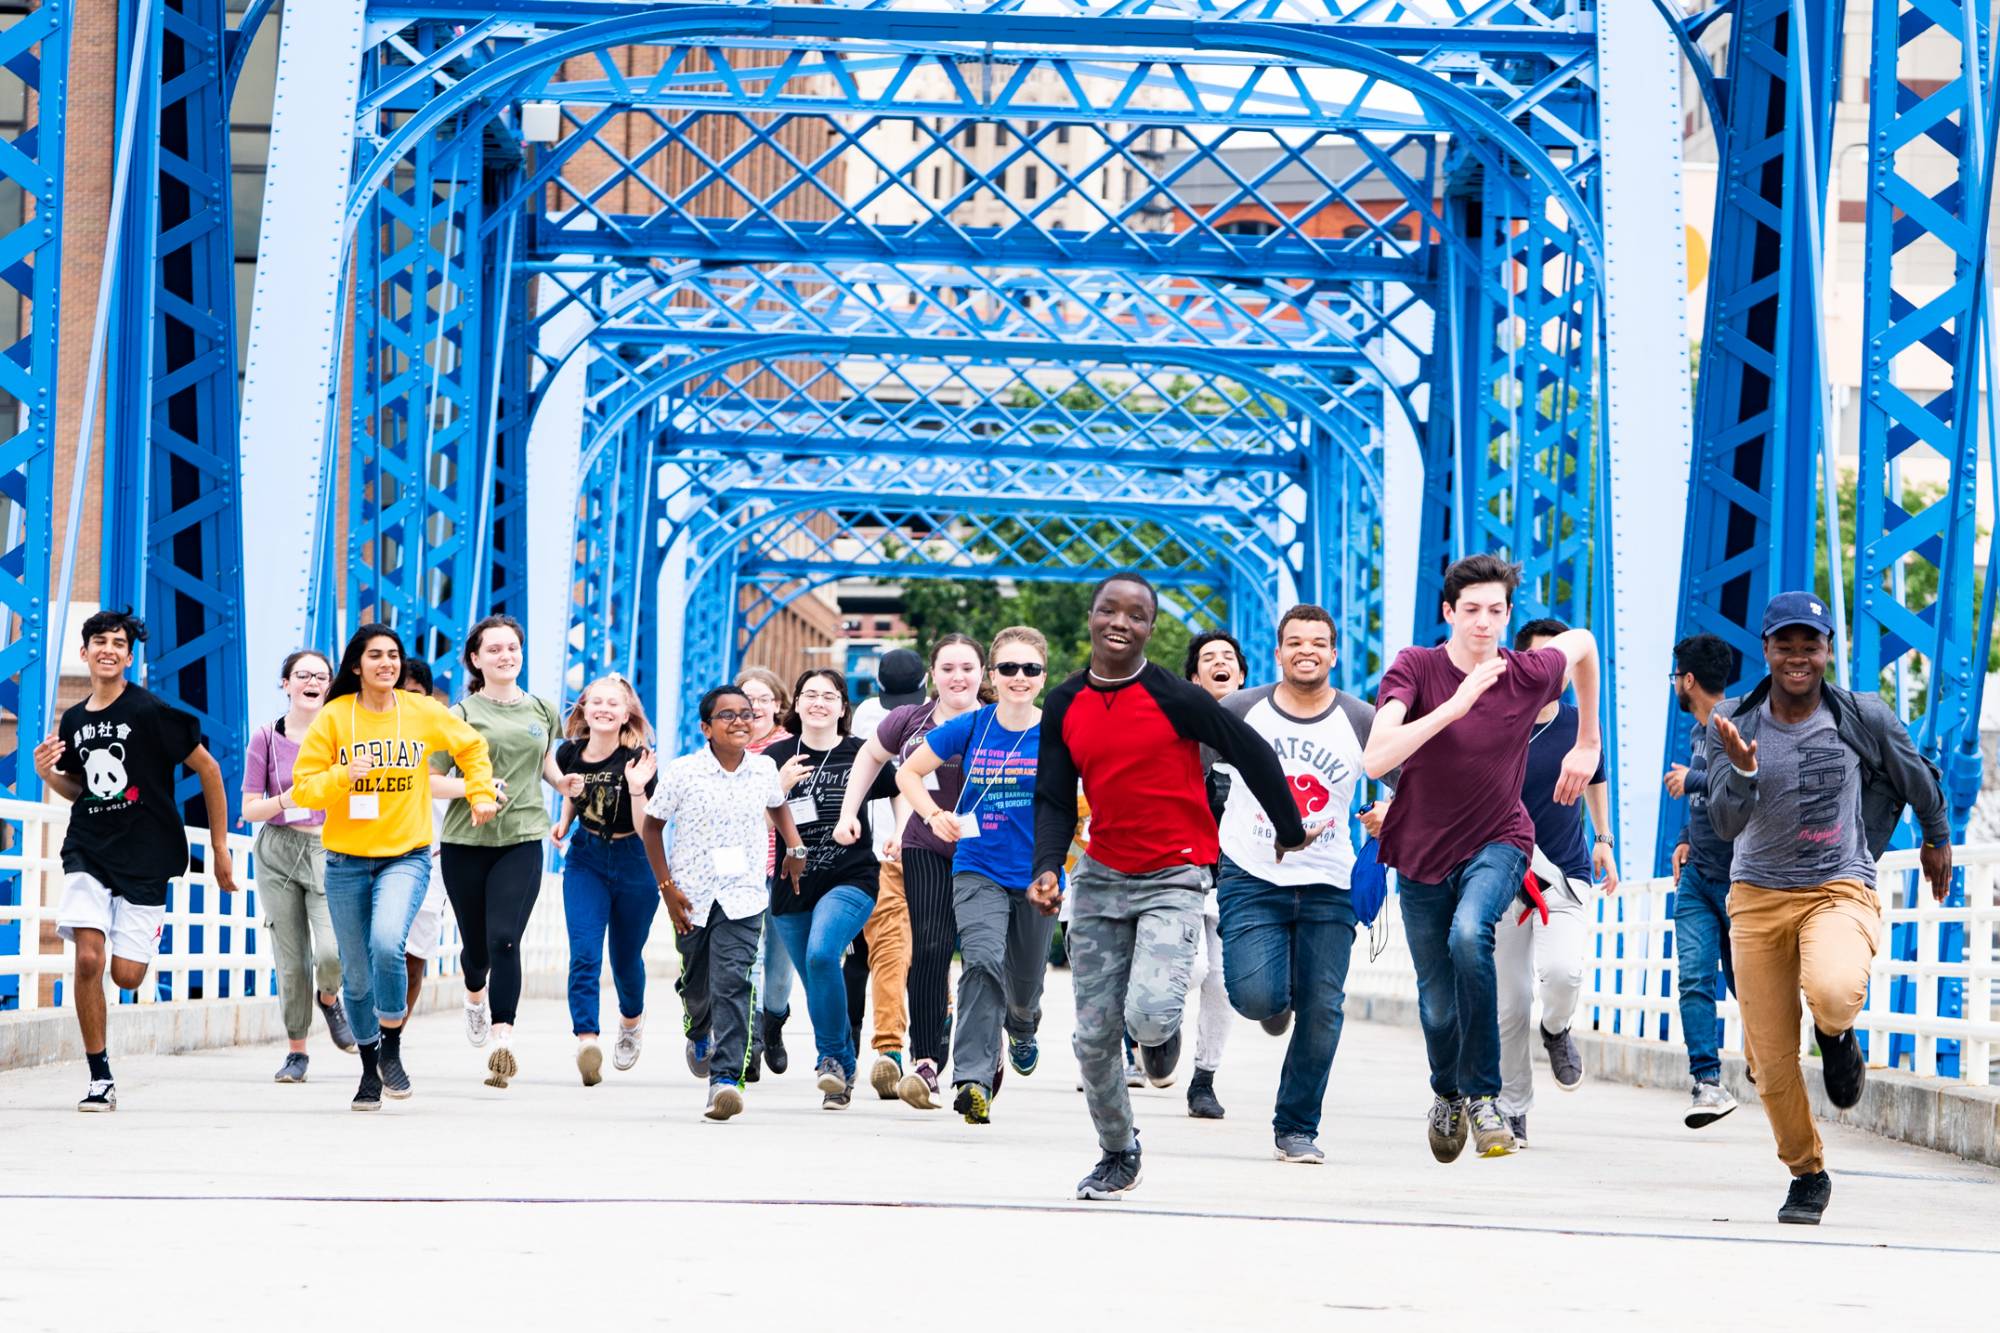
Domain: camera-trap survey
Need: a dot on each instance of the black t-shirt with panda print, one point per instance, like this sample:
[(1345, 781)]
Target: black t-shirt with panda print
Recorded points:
[(125, 829)]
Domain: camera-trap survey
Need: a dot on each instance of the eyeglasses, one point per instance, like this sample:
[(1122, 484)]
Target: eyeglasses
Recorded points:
[(819, 697), (733, 715), (310, 676), (1028, 669)]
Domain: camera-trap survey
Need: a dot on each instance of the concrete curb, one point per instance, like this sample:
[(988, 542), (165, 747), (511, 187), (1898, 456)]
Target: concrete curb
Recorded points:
[(1955, 1118)]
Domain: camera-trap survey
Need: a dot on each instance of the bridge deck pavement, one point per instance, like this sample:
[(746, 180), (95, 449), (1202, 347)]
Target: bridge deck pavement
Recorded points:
[(217, 1198)]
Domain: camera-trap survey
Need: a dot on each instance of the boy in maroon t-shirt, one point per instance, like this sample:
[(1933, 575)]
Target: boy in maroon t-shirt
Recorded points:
[(1457, 719)]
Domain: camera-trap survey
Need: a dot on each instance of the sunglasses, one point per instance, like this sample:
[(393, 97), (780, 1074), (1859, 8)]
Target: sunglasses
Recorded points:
[(732, 715), (1028, 669)]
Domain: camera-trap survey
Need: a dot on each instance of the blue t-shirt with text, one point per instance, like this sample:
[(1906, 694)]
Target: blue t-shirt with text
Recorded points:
[(999, 770)]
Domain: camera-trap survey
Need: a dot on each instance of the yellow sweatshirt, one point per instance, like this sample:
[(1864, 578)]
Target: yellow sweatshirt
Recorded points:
[(388, 812)]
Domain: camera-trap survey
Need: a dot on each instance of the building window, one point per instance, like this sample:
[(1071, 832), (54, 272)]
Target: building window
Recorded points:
[(916, 130), (937, 182), (1062, 134), (1031, 182), (1248, 227), (999, 136), (884, 626), (1131, 185), (971, 136)]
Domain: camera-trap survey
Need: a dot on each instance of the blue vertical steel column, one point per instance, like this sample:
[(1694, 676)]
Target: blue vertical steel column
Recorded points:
[(509, 287), (173, 515)]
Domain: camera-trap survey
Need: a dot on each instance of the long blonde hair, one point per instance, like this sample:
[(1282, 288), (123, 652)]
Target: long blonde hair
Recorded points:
[(636, 731)]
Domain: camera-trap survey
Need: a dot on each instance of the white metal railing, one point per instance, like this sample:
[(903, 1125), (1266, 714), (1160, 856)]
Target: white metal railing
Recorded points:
[(215, 947), (1630, 985)]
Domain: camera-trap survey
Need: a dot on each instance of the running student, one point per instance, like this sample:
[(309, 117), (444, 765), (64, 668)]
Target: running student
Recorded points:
[(291, 874), (772, 977), (113, 757), (720, 800), (832, 900), (1288, 925), (426, 938), (1541, 950), (493, 872), (1132, 733), (1003, 940), (365, 762), (1215, 662), (608, 773), (1810, 781), (1456, 718), (1703, 665), (956, 667)]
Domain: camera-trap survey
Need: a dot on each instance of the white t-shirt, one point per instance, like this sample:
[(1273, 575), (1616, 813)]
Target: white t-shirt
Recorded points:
[(868, 715), (1321, 757)]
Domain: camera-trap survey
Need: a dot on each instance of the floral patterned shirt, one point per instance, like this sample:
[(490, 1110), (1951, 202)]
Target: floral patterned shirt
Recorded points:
[(717, 825)]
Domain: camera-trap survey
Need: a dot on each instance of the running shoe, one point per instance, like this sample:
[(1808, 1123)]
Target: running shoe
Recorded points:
[(1202, 1103), (1446, 1127), (336, 1024), (1278, 1024), (919, 1087), (775, 1054), (1135, 1077), (1710, 1103), (1807, 1199), (886, 1074), (697, 1057), (294, 1068), (625, 1051), (501, 1066), (395, 1079), (478, 1023), (1024, 1054), (1519, 1125), (102, 1095), (368, 1097), (724, 1101), (1565, 1061), (832, 1078), (974, 1103), (1298, 1148), (1490, 1135), (1841, 1065), (1159, 1061), (589, 1063), (1117, 1174), (838, 1101)]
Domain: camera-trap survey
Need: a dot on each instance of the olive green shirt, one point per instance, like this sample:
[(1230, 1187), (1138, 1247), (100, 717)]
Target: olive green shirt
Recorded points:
[(518, 736)]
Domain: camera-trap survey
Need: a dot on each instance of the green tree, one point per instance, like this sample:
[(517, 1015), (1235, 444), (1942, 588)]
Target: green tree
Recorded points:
[(935, 607)]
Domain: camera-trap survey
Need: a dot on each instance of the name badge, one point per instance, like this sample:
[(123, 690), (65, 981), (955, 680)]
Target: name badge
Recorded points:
[(364, 805), (296, 815), (729, 860), (968, 826), (930, 780), (804, 809)]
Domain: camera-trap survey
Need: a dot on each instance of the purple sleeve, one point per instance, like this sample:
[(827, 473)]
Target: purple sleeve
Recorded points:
[(1400, 683), (897, 726), (256, 773), (1543, 671)]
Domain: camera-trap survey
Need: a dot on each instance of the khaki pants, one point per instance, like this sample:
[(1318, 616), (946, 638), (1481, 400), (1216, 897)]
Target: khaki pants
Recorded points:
[(888, 936), (1820, 940)]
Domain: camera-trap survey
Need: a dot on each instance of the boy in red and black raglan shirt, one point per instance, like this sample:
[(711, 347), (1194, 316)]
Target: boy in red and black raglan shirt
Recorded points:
[(1132, 733)]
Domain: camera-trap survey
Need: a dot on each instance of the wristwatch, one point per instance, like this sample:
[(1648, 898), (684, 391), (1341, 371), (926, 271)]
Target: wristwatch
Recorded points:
[(1605, 840), (796, 852)]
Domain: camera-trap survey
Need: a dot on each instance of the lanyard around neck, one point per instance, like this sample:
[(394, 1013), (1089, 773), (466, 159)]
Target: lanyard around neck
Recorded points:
[(354, 718), (986, 731)]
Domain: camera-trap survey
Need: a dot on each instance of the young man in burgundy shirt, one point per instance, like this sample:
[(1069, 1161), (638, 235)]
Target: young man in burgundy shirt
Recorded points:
[(1132, 733), (1457, 718)]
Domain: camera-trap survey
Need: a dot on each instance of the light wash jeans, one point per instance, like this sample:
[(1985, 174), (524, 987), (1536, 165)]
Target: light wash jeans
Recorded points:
[(372, 900), (1529, 957)]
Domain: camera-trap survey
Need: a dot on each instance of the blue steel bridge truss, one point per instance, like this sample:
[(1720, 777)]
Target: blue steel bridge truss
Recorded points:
[(702, 306)]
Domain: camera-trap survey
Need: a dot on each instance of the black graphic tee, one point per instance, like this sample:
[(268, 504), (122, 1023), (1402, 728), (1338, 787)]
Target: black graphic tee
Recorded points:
[(828, 864), (125, 829), (605, 808)]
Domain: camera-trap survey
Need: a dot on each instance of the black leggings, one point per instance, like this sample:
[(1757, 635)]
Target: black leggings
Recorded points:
[(492, 891), (933, 933)]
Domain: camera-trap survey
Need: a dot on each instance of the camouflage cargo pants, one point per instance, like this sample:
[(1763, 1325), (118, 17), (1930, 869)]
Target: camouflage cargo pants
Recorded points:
[(1132, 941)]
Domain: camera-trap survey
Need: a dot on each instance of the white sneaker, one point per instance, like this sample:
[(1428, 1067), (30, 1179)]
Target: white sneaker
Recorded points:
[(101, 1096), (478, 1023), (589, 1063), (1710, 1103), (625, 1051), (724, 1101)]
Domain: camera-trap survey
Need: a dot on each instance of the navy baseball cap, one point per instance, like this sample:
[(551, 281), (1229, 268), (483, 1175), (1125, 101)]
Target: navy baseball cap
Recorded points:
[(1797, 608)]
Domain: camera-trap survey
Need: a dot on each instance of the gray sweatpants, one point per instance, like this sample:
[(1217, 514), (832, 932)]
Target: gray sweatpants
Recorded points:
[(1132, 941), (1003, 949), (716, 991), (291, 888)]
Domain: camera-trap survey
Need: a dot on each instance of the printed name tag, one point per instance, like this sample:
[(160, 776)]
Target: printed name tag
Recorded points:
[(364, 805), (297, 815), (729, 860), (930, 780), (968, 826), (804, 809)]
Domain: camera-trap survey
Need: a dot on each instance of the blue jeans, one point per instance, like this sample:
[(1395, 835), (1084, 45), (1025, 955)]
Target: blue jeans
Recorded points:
[(1701, 942), (1450, 927), (820, 938), (774, 972), (1286, 947), (607, 886), (373, 900)]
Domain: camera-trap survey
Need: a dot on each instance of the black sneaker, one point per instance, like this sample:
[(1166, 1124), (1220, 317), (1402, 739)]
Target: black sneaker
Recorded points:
[(102, 1095), (1159, 1061), (1565, 1061), (395, 1079), (368, 1097), (294, 1068), (974, 1103), (1278, 1024), (1117, 1174), (1519, 1125), (336, 1024), (1846, 1073), (1202, 1104), (1298, 1148), (1807, 1199), (774, 1041), (837, 1101), (1446, 1127)]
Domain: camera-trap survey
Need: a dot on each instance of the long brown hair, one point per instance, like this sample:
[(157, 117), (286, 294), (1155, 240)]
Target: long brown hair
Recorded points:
[(474, 681), (987, 694), (795, 724)]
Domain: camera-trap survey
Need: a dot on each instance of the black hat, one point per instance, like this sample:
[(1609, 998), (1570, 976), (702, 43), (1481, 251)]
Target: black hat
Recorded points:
[(899, 678), (1796, 608)]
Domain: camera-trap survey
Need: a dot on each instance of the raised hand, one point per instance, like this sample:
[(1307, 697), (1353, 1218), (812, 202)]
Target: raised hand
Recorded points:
[(1742, 753), (48, 754), (1579, 766), (848, 831), (1676, 781), (1477, 681), (795, 770), (639, 770)]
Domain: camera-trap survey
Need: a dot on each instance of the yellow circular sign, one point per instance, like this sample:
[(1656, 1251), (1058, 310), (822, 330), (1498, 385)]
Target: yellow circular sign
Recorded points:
[(1697, 259)]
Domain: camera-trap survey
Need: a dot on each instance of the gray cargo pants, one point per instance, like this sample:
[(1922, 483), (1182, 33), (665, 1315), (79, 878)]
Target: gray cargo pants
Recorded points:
[(1003, 949)]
